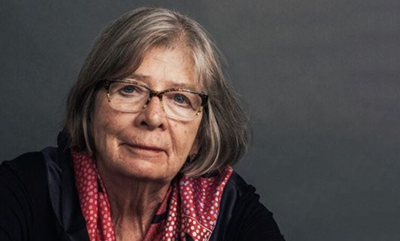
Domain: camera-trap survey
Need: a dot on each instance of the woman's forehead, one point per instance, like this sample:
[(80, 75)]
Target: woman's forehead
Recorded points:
[(172, 66)]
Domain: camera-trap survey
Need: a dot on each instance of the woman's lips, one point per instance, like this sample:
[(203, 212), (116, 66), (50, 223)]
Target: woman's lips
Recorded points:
[(143, 149)]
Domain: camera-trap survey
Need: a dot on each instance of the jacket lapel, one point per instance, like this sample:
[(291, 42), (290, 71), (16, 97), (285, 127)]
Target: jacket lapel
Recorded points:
[(62, 192)]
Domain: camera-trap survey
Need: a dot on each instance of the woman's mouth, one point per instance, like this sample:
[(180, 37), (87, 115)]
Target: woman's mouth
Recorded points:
[(144, 150)]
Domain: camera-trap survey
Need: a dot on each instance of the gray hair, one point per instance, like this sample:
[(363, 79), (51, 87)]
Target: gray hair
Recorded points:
[(223, 135)]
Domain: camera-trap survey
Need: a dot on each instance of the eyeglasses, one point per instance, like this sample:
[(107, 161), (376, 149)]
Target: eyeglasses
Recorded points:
[(127, 95)]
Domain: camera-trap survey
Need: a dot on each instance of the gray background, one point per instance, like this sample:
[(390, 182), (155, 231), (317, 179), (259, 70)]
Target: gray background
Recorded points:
[(320, 80)]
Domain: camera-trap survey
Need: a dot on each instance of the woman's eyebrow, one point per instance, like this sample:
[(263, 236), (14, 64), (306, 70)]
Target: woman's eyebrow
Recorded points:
[(138, 77), (169, 83), (180, 85), (184, 84)]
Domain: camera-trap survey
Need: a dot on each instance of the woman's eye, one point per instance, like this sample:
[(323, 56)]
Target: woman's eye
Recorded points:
[(180, 99), (128, 89)]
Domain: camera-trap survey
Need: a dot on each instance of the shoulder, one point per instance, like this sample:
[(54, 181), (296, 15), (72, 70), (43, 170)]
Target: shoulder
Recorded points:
[(24, 170), (29, 168), (24, 192), (239, 185), (246, 218)]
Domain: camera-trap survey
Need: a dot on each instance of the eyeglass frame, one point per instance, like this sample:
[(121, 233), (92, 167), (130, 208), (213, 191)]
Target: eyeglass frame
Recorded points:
[(154, 93)]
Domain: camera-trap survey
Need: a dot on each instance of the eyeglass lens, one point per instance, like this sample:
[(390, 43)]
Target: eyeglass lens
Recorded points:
[(130, 97)]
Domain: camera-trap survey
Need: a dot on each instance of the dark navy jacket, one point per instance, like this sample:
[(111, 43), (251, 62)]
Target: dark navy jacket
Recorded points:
[(39, 202)]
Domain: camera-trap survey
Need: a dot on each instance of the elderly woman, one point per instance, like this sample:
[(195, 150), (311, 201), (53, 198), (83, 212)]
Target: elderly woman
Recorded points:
[(152, 130)]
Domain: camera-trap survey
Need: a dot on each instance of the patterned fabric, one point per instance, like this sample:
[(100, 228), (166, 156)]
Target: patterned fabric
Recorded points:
[(189, 211), (94, 202)]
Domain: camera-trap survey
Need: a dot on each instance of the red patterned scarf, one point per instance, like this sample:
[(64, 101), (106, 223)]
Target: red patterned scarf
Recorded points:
[(190, 208)]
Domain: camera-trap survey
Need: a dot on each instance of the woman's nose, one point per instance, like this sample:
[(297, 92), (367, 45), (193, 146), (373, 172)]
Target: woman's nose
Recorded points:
[(153, 115)]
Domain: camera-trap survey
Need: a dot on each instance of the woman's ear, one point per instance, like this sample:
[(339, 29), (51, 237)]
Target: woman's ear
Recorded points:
[(193, 151)]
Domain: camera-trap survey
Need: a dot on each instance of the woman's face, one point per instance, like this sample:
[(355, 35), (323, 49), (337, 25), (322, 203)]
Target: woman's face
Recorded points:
[(147, 145)]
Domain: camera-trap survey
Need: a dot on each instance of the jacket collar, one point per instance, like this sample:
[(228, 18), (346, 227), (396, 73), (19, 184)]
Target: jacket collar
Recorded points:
[(62, 191)]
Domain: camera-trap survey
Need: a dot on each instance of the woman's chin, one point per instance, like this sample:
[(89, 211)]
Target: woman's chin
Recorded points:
[(145, 170)]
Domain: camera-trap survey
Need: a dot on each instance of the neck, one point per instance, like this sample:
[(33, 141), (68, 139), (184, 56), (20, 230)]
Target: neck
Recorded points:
[(133, 204)]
